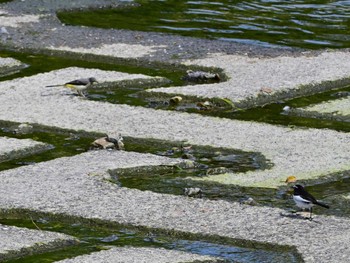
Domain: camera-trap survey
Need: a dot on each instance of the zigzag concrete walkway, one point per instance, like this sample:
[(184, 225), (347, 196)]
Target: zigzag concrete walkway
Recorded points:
[(75, 186), (64, 185), (305, 153)]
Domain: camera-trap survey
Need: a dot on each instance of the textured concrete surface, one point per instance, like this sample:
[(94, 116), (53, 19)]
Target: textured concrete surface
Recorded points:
[(49, 6), (304, 153), (9, 20), (338, 107), (17, 242), (50, 33), (62, 76), (11, 148), (9, 62), (113, 50), (283, 77), (76, 186), (9, 66), (141, 255), (338, 110)]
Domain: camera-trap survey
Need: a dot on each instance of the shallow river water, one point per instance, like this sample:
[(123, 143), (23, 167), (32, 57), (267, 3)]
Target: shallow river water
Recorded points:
[(295, 23)]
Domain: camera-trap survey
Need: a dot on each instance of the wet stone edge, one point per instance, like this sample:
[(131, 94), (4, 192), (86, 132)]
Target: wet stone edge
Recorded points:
[(37, 248), (260, 100), (19, 213), (318, 115), (25, 152)]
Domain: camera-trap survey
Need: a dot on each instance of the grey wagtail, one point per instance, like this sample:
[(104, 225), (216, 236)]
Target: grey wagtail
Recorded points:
[(79, 85)]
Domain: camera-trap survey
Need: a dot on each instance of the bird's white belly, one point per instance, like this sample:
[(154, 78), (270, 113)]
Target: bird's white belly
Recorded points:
[(302, 203)]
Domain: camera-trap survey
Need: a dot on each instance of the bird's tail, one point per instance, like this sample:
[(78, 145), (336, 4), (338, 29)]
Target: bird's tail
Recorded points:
[(49, 86), (323, 205)]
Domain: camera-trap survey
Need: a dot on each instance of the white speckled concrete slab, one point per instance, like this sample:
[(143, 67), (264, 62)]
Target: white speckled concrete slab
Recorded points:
[(11, 148), (249, 76), (334, 110), (9, 66), (119, 50), (75, 186), (17, 242), (9, 20), (67, 74), (9, 62), (304, 153), (139, 254)]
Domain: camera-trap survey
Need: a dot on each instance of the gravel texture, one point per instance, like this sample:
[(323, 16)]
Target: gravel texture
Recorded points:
[(76, 186), (141, 255), (17, 242), (11, 148)]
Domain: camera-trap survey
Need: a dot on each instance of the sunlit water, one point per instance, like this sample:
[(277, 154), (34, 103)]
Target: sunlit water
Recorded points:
[(305, 24)]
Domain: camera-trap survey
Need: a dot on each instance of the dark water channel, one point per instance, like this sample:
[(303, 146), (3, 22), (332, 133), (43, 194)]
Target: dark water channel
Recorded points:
[(292, 23)]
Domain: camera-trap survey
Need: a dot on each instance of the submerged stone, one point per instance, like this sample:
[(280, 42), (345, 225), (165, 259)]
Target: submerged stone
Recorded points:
[(193, 192)]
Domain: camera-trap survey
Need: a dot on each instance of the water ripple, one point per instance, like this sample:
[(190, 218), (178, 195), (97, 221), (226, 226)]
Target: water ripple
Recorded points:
[(307, 24)]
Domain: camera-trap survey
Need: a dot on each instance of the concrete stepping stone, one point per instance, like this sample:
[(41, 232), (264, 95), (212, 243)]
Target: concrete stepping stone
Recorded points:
[(16, 242), (119, 50), (79, 186), (11, 148), (9, 66), (38, 6), (7, 19), (338, 110), (304, 153), (139, 254), (105, 79), (258, 81)]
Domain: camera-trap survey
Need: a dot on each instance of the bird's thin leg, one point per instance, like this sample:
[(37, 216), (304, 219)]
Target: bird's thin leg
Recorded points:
[(80, 92), (310, 213)]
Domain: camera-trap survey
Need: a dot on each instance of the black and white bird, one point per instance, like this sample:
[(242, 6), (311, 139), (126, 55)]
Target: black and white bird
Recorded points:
[(305, 200), (79, 85)]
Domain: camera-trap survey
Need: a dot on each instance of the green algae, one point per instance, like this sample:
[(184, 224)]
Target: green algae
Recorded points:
[(202, 161), (39, 62), (332, 189), (95, 237), (67, 144), (272, 112)]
